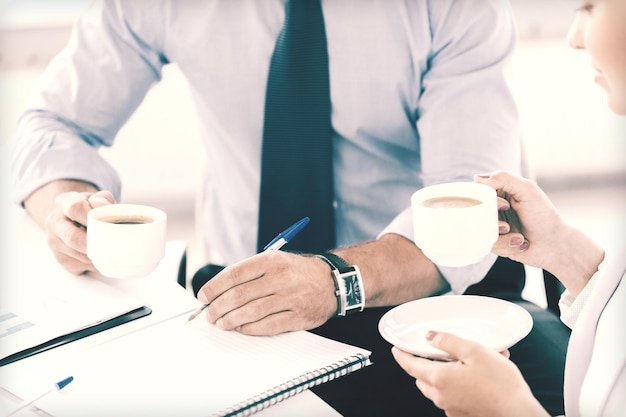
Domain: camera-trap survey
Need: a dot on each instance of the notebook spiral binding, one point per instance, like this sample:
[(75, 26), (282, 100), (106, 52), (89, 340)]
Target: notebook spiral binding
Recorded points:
[(295, 386)]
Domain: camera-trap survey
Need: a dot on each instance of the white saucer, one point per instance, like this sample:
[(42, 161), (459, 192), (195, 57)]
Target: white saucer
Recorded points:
[(495, 323)]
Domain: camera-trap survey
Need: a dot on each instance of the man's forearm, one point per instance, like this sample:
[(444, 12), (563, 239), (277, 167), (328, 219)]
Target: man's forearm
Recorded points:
[(41, 202), (394, 270)]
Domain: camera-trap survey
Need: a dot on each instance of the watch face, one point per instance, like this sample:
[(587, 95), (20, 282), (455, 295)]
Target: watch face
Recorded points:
[(353, 291)]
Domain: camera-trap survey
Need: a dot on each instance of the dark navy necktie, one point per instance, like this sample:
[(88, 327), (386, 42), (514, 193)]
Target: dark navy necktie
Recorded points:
[(296, 165)]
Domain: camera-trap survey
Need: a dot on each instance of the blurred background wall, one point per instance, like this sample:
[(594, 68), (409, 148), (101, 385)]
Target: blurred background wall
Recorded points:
[(576, 146)]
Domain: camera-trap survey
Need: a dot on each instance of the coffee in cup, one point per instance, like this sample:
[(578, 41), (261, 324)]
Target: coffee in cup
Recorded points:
[(455, 224), (127, 219), (451, 202), (126, 240)]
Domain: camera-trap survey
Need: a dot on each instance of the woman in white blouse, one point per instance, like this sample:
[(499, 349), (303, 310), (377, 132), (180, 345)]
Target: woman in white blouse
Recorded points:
[(484, 383)]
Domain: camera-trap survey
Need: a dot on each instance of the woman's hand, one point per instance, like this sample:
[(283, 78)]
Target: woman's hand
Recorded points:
[(533, 241), (539, 236), (480, 382)]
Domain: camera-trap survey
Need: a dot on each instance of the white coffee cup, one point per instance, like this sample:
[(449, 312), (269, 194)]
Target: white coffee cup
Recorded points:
[(455, 224), (126, 240)]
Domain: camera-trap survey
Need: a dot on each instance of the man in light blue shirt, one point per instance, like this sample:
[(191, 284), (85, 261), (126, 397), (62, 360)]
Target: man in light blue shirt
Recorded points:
[(418, 97)]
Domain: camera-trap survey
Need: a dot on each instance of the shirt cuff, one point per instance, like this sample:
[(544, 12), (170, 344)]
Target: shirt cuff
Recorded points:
[(459, 278), (58, 157), (571, 306)]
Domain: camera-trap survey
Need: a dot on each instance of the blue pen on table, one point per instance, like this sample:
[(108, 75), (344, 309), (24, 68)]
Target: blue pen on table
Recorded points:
[(57, 387), (278, 242)]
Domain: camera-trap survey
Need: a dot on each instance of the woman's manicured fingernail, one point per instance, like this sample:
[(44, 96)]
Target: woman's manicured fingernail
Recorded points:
[(524, 245), (430, 335), (504, 229), (484, 176), (516, 241)]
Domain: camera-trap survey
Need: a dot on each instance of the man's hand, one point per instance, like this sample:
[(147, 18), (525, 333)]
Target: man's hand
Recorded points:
[(272, 292), (61, 207), (276, 291)]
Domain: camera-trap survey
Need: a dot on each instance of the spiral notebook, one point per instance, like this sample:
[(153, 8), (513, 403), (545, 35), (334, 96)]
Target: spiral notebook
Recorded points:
[(195, 369)]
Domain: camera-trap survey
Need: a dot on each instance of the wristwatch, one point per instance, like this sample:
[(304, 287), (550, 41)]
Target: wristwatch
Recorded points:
[(348, 284)]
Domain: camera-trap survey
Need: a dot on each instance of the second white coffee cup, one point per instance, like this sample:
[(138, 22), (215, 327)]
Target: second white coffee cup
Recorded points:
[(126, 240), (455, 224)]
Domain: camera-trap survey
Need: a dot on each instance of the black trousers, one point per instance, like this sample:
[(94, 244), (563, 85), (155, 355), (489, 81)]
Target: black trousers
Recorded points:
[(384, 389)]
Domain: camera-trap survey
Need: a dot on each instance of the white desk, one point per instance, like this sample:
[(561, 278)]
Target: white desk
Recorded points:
[(29, 256)]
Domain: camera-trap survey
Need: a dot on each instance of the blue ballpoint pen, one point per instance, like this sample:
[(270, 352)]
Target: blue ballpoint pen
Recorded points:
[(278, 242), (57, 387), (286, 235)]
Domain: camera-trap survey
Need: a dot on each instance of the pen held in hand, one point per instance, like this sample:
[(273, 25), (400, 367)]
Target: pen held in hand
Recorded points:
[(57, 387), (278, 242), (197, 312)]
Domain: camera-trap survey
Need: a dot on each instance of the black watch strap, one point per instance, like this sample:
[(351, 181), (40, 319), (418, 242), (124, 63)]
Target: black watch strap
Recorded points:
[(335, 261), (348, 284)]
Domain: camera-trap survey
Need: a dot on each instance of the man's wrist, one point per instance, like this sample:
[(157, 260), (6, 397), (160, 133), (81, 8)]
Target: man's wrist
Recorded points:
[(348, 283), (40, 203)]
